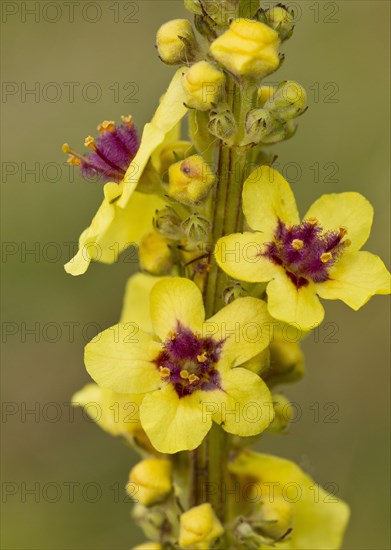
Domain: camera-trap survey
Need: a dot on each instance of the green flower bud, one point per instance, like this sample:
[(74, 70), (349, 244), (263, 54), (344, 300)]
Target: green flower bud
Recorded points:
[(168, 223), (222, 12), (282, 414), (155, 254), (193, 6), (196, 228), (232, 293), (176, 42), (222, 124), (259, 124), (288, 101), (150, 520), (279, 19), (190, 180), (280, 132)]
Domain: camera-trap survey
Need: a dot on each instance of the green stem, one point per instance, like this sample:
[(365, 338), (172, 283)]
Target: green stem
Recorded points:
[(210, 460)]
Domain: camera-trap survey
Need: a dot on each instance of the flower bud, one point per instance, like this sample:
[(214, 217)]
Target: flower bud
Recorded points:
[(193, 6), (168, 223), (281, 20), (222, 124), (259, 124), (233, 292), (247, 48), (265, 93), (204, 85), (155, 255), (196, 228), (150, 520), (199, 528), (152, 479), (282, 414), (176, 42), (286, 362), (281, 131), (190, 180), (178, 150), (288, 101)]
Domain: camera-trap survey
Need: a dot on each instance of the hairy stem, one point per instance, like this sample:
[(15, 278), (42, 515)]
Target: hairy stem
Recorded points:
[(210, 460)]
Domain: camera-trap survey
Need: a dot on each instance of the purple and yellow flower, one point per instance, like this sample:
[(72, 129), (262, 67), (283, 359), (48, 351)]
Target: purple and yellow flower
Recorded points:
[(319, 256), (118, 158), (188, 370)]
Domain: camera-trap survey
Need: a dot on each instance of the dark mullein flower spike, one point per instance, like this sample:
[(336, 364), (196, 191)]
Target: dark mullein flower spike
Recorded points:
[(110, 153)]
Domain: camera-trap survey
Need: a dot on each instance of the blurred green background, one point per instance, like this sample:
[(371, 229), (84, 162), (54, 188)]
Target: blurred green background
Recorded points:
[(340, 53)]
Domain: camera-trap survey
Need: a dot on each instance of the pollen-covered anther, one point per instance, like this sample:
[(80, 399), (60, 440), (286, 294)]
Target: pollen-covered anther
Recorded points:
[(193, 378), (90, 142), (326, 257), (202, 357), (164, 371), (107, 125), (342, 231), (128, 120), (74, 160), (312, 221), (348, 242), (297, 244), (65, 148), (184, 374)]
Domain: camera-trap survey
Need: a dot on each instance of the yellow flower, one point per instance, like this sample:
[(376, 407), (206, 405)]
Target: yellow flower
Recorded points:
[(247, 48), (204, 85), (176, 42), (318, 256), (188, 370), (199, 528), (190, 180), (125, 214), (116, 413), (150, 481), (318, 519)]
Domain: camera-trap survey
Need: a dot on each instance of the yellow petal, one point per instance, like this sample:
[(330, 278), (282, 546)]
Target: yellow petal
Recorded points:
[(350, 210), (244, 406), (170, 111), (268, 197), (112, 230), (136, 301), (176, 300), (355, 279), (244, 325), (116, 413), (239, 256), (173, 424), (295, 306), (120, 358), (319, 519)]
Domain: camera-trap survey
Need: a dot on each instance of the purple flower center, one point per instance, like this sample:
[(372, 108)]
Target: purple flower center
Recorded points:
[(188, 361), (110, 153), (306, 251)]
